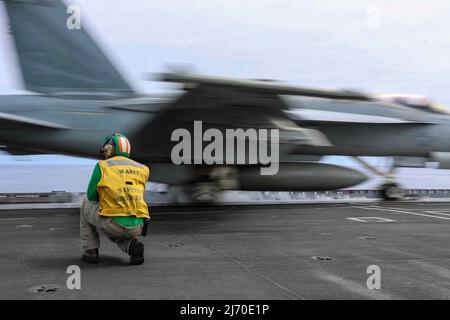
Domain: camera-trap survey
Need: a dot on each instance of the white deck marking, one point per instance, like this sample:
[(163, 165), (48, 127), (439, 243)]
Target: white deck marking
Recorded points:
[(401, 211), (14, 219), (371, 219), (438, 212), (195, 212), (353, 286)]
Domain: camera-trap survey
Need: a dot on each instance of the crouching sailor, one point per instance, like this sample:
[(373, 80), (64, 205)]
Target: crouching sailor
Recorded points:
[(115, 202)]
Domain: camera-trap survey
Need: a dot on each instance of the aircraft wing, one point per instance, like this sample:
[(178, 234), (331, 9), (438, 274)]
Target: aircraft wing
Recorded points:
[(17, 122), (262, 86), (311, 117), (227, 103), (223, 107), (13, 121), (334, 107)]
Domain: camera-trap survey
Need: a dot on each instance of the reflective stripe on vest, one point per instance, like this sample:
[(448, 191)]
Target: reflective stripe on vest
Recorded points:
[(122, 187), (127, 162)]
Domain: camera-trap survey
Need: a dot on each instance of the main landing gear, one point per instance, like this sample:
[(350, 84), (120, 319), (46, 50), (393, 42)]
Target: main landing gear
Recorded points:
[(390, 189)]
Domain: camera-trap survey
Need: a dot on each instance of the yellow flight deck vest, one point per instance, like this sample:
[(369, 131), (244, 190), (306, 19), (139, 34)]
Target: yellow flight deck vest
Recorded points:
[(121, 188)]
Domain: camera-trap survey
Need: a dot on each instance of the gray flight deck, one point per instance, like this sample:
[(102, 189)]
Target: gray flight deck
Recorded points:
[(239, 252)]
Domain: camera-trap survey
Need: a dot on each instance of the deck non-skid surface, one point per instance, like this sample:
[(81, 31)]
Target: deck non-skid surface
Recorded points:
[(239, 252)]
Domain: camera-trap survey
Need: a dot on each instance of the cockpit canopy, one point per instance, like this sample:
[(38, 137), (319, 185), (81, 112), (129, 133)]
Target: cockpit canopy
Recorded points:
[(415, 101)]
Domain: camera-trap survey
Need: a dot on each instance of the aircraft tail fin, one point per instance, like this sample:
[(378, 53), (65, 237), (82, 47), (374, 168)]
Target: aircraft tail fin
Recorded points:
[(55, 59)]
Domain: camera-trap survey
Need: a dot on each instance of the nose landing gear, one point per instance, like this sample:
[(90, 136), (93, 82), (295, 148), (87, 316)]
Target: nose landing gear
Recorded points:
[(220, 178)]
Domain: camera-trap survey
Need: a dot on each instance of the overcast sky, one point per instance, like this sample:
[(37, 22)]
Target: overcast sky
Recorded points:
[(375, 46), (312, 43)]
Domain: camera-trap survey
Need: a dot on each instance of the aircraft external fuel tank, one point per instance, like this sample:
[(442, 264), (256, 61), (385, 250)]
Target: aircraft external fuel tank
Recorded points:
[(299, 176)]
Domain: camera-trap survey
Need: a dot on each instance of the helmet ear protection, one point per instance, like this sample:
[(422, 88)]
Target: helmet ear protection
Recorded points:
[(109, 143), (108, 150)]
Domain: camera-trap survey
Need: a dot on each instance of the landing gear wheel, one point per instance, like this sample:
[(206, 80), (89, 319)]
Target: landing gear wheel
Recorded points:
[(392, 192), (205, 192)]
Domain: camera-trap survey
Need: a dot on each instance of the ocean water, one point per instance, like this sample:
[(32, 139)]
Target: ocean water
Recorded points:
[(44, 178)]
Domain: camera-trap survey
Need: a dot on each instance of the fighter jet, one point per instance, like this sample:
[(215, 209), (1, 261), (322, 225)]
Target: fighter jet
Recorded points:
[(410, 128), (79, 97)]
